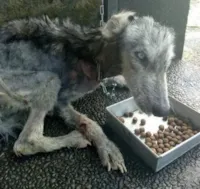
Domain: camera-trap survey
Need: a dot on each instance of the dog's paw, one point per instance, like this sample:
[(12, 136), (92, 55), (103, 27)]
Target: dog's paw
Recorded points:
[(25, 147), (118, 81), (111, 157)]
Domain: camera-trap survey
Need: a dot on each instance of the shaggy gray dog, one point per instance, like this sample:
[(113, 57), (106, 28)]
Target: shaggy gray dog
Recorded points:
[(46, 64)]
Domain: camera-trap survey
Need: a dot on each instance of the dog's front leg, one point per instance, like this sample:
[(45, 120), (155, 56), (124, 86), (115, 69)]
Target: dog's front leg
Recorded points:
[(109, 154)]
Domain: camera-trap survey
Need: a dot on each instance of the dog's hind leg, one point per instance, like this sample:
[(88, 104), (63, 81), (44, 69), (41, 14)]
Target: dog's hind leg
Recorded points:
[(109, 154), (41, 100), (32, 141)]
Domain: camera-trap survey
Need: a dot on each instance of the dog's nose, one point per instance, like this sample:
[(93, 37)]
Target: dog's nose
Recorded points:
[(160, 112)]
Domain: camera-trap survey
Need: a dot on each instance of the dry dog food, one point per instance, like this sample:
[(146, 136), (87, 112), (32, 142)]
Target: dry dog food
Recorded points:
[(161, 127), (134, 120), (148, 134), (137, 131), (141, 129), (143, 122), (120, 119), (165, 137), (130, 114)]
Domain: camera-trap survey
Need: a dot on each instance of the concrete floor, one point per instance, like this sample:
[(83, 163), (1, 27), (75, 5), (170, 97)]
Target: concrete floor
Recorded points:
[(184, 78), (192, 38)]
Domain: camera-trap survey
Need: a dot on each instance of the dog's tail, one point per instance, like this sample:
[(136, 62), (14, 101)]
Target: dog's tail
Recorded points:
[(8, 127), (47, 33)]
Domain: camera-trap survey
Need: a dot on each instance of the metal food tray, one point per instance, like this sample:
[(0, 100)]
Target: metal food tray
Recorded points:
[(156, 162)]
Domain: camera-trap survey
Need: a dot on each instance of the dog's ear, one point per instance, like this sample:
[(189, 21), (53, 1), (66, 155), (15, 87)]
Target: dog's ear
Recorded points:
[(116, 24)]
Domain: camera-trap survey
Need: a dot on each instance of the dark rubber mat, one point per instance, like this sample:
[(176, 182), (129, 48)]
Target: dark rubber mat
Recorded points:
[(81, 169)]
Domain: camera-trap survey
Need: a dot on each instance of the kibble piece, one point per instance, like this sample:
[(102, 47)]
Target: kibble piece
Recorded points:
[(165, 140), (148, 134), (166, 133), (121, 119), (178, 137), (172, 135), (142, 135), (153, 142), (161, 127), (147, 139), (179, 122), (161, 136), (167, 130), (172, 143), (126, 114), (185, 132), (143, 122), (175, 140), (191, 134), (137, 131), (160, 150), (165, 149), (170, 120), (179, 128), (167, 145), (160, 132), (134, 120), (161, 145), (195, 132), (176, 131), (153, 138), (169, 137), (180, 133), (141, 129), (164, 118), (173, 124), (153, 149), (185, 137), (149, 144), (184, 124), (155, 146), (130, 114), (160, 141), (171, 128), (189, 131), (184, 128), (175, 119), (155, 135)]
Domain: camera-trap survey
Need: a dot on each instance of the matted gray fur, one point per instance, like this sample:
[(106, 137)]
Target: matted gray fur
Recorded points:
[(46, 64)]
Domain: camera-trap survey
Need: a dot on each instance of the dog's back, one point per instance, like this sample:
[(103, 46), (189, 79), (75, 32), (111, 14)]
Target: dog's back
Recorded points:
[(23, 55)]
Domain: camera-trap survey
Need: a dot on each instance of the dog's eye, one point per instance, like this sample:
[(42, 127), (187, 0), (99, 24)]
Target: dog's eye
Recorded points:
[(140, 55)]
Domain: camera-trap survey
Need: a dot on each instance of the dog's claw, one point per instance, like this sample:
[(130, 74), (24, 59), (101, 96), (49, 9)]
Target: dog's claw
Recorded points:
[(122, 168), (109, 167), (112, 158)]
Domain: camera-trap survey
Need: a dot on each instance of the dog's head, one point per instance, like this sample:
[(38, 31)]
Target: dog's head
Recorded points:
[(147, 51)]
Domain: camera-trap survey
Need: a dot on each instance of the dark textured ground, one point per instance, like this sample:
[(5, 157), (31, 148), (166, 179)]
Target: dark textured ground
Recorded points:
[(71, 168)]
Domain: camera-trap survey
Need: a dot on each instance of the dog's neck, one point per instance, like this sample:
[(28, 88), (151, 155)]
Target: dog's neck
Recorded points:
[(109, 61)]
